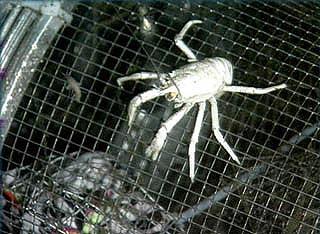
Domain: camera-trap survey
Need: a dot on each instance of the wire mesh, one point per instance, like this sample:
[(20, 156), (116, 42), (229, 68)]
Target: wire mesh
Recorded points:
[(276, 135)]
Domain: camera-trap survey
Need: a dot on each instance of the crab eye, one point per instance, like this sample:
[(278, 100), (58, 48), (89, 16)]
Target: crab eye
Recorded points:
[(171, 96)]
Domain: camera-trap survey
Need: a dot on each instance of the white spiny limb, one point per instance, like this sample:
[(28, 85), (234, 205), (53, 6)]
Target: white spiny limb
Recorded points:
[(215, 129), (140, 76), (182, 46), (158, 141), (144, 97), (252, 90), (194, 139)]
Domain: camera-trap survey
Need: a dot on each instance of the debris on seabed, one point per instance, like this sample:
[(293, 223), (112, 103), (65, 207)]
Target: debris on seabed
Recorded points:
[(86, 194)]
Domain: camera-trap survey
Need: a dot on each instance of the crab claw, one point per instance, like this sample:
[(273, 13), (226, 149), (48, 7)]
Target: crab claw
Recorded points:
[(154, 148)]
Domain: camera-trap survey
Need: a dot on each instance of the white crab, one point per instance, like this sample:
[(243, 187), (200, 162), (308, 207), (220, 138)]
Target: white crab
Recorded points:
[(194, 83)]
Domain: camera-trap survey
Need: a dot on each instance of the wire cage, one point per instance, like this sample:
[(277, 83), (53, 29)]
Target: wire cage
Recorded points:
[(71, 164)]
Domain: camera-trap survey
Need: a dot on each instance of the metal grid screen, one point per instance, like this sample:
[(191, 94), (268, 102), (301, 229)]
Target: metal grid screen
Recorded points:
[(276, 135)]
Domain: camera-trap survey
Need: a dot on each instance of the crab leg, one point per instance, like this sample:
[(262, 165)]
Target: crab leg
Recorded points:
[(140, 76), (144, 97), (182, 46), (215, 129), (158, 141), (252, 90), (194, 139)]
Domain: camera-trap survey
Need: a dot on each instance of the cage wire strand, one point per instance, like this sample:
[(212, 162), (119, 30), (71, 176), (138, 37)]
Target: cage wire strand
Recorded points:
[(267, 43)]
